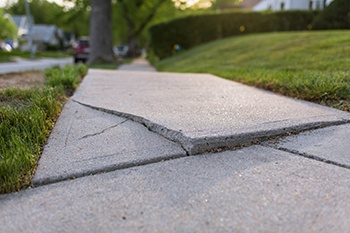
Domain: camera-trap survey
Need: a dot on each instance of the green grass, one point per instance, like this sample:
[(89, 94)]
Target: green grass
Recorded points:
[(26, 119), (312, 66)]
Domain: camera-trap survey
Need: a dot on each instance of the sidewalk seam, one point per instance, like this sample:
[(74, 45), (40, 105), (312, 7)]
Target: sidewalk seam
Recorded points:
[(126, 165), (306, 155)]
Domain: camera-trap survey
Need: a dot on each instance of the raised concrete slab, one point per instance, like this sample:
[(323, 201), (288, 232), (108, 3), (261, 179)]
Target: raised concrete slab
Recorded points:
[(255, 189), (202, 112), (329, 144), (40, 64), (85, 141)]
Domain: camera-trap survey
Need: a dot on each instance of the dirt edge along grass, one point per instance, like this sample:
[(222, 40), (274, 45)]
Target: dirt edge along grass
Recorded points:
[(27, 117)]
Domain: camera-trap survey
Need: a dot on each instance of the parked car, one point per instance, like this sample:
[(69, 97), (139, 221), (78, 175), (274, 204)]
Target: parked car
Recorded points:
[(81, 50)]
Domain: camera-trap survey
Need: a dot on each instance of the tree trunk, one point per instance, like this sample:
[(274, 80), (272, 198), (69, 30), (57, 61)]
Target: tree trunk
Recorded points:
[(133, 50), (101, 48)]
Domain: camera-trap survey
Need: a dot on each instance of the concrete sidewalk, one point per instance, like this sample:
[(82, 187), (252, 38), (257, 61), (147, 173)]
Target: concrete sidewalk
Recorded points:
[(40, 64), (141, 151)]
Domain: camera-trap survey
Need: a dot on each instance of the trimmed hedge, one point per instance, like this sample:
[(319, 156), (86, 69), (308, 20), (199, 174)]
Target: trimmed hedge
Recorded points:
[(194, 30), (334, 16)]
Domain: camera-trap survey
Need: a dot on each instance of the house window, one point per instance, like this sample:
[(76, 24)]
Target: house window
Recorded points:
[(282, 6)]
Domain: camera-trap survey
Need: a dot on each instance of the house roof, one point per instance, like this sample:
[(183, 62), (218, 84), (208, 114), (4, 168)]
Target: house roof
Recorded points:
[(248, 4), (22, 23), (45, 33), (244, 4)]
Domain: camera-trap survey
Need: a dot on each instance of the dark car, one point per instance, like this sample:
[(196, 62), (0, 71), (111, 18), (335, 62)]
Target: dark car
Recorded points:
[(81, 50)]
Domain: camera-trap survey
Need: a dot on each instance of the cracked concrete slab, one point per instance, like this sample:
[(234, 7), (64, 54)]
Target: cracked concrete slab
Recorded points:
[(85, 141), (329, 144), (201, 111), (254, 189)]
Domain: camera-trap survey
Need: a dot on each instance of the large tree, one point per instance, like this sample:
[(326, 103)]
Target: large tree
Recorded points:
[(137, 14), (101, 31)]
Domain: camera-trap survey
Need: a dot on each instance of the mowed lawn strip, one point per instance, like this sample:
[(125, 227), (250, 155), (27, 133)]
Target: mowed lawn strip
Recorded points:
[(311, 65), (27, 117)]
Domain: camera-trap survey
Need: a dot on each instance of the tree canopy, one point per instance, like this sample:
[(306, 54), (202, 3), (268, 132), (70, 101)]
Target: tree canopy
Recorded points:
[(8, 28), (74, 19)]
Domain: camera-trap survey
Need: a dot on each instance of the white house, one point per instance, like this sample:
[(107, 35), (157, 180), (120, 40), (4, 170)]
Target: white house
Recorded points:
[(46, 35), (278, 5), (22, 24)]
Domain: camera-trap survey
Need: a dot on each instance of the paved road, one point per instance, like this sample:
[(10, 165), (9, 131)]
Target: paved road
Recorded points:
[(40, 64), (141, 151)]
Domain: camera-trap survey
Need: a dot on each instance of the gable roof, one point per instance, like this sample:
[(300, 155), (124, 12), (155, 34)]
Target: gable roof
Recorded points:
[(22, 24), (248, 4)]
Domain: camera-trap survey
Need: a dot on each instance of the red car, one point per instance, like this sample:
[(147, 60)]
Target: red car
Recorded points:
[(81, 50)]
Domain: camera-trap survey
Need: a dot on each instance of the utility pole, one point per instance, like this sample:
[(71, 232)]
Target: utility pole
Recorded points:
[(30, 24)]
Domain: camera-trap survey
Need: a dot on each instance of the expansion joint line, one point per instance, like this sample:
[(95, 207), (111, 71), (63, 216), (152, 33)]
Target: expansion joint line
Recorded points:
[(309, 156)]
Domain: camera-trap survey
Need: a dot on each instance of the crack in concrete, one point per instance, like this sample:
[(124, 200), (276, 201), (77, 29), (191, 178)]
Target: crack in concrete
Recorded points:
[(69, 130), (189, 145), (103, 131), (162, 131), (194, 146), (308, 156)]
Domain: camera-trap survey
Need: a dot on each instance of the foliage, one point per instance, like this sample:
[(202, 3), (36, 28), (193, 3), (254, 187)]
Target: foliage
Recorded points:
[(8, 28), (197, 29), (307, 65), (136, 15), (335, 16), (44, 12), (26, 119)]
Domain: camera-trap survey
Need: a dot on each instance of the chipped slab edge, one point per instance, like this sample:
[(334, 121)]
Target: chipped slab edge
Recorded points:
[(201, 145)]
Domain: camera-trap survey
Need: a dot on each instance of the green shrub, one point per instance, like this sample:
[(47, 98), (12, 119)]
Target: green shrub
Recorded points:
[(194, 30), (335, 16)]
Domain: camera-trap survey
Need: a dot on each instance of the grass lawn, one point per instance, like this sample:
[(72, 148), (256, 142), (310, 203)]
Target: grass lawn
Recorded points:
[(312, 65), (26, 118)]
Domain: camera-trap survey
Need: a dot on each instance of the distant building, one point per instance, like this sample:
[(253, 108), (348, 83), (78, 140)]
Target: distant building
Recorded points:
[(22, 24), (248, 4), (280, 5), (45, 36)]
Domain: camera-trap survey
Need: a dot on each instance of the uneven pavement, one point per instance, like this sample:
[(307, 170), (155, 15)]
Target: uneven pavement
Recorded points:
[(142, 151)]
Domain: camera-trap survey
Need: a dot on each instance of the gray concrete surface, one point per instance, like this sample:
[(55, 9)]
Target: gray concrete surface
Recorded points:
[(254, 189), (136, 180), (200, 111), (140, 64), (331, 144), (40, 64), (86, 141)]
